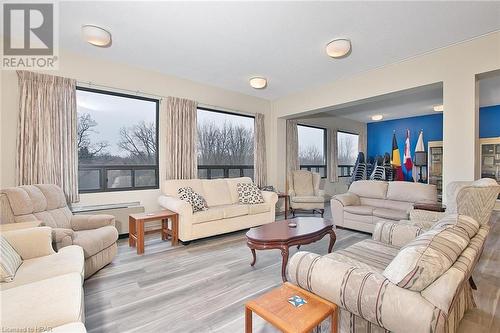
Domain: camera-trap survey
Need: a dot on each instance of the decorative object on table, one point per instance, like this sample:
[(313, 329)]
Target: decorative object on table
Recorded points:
[(249, 194), (196, 200), (297, 301), (279, 235), (292, 225), (274, 306), (420, 156), (269, 188), (136, 227)]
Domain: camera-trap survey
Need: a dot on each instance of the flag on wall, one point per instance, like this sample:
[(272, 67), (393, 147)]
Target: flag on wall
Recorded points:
[(420, 142), (407, 157), (396, 159), (419, 148)]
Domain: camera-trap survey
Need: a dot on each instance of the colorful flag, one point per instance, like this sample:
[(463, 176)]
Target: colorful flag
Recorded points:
[(407, 157), (419, 148), (396, 159), (420, 142)]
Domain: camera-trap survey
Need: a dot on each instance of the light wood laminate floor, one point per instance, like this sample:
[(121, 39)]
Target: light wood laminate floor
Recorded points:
[(203, 287)]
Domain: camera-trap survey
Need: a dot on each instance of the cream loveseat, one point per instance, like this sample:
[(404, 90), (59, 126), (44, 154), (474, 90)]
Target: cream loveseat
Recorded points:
[(224, 213), (96, 234), (370, 201), (46, 292)]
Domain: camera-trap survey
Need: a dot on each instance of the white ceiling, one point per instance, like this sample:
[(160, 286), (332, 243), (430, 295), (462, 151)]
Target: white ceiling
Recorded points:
[(225, 43)]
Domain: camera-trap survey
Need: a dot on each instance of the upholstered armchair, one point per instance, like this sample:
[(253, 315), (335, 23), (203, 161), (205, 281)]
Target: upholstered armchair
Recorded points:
[(304, 192), (472, 198), (96, 234)]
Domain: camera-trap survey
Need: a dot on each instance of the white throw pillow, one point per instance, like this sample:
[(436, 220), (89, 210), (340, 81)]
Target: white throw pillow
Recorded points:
[(10, 261), (196, 201), (249, 194)]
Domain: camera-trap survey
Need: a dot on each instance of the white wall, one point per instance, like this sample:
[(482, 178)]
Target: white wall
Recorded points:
[(455, 66), (124, 77)]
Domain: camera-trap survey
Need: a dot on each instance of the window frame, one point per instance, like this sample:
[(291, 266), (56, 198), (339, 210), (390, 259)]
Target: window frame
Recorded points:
[(350, 167), (225, 167), (325, 151), (103, 180)]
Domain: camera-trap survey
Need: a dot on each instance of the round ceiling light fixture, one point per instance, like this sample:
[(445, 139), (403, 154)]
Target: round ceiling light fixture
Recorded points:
[(438, 108), (338, 48), (377, 117), (258, 82), (96, 36)]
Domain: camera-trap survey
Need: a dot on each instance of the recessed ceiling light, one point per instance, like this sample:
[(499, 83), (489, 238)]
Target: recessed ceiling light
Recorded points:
[(258, 82), (377, 117), (338, 48), (96, 36), (438, 108)]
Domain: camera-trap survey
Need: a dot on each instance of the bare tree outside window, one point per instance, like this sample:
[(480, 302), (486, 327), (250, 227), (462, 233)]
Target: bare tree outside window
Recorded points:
[(312, 154), (347, 144)]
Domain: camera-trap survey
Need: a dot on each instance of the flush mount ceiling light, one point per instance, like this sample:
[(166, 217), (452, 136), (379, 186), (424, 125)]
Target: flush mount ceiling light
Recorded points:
[(338, 48), (438, 108), (258, 82), (377, 117), (96, 36)]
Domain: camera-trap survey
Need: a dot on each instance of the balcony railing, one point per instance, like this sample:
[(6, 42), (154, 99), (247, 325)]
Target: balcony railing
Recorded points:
[(224, 171), (319, 168), (107, 178), (345, 170)]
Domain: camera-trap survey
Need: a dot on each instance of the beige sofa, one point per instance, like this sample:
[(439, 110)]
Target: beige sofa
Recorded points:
[(370, 201), (96, 234), (224, 214), (47, 289), (304, 191)]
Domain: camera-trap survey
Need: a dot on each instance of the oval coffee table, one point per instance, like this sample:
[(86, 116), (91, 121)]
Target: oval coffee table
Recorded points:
[(278, 235)]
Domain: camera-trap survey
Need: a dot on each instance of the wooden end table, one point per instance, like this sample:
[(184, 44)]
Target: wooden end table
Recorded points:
[(278, 235), (136, 227), (287, 201), (276, 310), (430, 206)]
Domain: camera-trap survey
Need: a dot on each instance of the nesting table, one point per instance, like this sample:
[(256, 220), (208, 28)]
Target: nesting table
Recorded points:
[(136, 227)]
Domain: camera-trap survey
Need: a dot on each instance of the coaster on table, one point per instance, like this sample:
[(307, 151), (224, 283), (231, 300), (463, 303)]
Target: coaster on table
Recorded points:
[(297, 301)]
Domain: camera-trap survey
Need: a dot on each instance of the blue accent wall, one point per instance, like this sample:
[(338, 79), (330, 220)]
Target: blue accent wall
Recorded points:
[(379, 134)]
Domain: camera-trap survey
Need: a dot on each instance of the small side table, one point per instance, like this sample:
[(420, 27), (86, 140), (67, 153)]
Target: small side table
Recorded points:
[(136, 227), (287, 200), (432, 207), (276, 310)]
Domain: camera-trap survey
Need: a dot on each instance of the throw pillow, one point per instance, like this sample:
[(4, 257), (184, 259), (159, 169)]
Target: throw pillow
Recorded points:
[(428, 256), (10, 261), (196, 201), (467, 223), (249, 194)]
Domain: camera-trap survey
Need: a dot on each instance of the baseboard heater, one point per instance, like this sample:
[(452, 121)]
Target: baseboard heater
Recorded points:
[(120, 211)]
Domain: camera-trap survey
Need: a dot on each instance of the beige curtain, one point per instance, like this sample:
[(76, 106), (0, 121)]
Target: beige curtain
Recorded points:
[(259, 151), (334, 156), (180, 129), (292, 146), (46, 145)]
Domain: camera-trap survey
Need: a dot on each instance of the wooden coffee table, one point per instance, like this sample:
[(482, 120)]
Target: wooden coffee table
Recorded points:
[(278, 235)]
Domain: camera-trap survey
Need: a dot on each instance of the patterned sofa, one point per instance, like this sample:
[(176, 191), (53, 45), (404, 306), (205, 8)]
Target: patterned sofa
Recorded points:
[(361, 278)]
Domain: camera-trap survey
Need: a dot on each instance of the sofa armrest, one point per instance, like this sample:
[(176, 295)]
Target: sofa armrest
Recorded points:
[(426, 215), (62, 237), (270, 197), (89, 222), (185, 212), (31, 243), (362, 292), (396, 233), (347, 199), (20, 225)]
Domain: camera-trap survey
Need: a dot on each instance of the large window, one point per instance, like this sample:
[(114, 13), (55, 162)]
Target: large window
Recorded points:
[(347, 148), (117, 138), (225, 144), (312, 149)]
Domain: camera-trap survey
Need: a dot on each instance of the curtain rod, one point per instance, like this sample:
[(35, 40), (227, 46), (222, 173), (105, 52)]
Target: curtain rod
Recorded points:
[(90, 84)]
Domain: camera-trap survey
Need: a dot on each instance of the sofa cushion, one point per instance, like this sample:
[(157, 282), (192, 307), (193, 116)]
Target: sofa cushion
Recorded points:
[(69, 259), (303, 183), (234, 210), (95, 240), (360, 210), (249, 194), (308, 199), (411, 192), (196, 200), (391, 214), (216, 192), (233, 191), (429, 255), (211, 214), (259, 208), (46, 303), (471, 227), (369, 188), (10, 261)]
